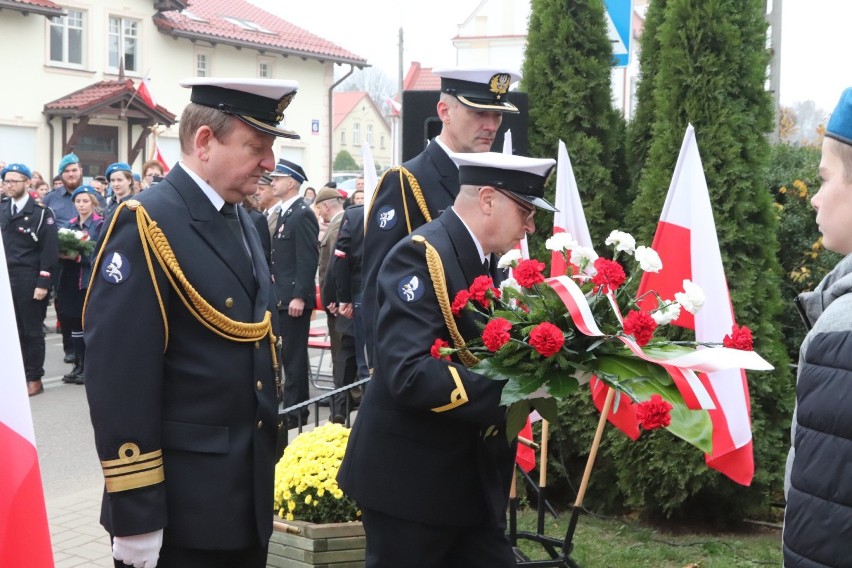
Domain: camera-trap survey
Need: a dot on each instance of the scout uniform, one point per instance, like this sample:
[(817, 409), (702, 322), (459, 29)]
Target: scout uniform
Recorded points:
[(32, 251)]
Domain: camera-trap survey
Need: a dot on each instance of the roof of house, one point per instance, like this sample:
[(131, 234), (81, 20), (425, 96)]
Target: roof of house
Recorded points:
[(43, 7), (344, 103), (242, 24), (107, 94), (421, 79)]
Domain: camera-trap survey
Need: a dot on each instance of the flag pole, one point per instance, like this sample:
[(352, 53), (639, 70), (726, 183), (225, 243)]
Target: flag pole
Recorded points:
[(590, 462), (542, 474)]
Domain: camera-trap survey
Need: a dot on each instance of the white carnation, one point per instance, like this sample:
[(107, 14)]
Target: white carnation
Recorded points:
[(649, 260), (509, 259), (510, 283), (583, 257), (622, 241), (666, 314), (692, 297), (561, 242)]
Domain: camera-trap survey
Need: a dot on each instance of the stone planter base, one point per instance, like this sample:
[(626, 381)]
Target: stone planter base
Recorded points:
[(332, 545)]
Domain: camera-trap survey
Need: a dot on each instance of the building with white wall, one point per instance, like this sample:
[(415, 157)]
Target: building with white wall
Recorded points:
[(75, 60)]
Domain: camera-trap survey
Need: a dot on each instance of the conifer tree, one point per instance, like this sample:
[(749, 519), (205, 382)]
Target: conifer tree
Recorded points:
[(710, 68), (567, 75)]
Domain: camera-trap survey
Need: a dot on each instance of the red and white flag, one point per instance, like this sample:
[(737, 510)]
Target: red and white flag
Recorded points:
[(689, 248), (570, 218), (144, 92), (24, 534)]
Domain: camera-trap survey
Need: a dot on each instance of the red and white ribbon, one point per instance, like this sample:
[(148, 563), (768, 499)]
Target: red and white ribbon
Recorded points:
[(681, 367)]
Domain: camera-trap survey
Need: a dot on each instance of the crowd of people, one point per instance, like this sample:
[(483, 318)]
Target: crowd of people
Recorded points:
[(32, 215)]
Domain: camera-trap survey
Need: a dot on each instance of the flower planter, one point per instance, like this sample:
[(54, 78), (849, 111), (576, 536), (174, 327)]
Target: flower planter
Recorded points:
[(332, 545)]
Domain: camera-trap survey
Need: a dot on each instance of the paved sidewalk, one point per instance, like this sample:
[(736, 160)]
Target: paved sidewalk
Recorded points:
[(77, 536)]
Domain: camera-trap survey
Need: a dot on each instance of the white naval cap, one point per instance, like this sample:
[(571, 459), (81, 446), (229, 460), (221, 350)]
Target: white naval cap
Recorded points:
[(523, 177), (260, 103)]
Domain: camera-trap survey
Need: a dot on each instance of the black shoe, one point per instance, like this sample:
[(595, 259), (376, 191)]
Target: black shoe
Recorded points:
[(71, 377), (80, 379), (69, 358)]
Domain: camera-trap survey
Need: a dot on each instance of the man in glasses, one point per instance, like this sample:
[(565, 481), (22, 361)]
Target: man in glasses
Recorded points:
[(428, 460), (32, 251)]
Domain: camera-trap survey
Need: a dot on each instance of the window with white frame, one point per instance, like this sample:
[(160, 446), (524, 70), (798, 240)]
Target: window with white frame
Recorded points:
[(343, 138), (370, 134), (382, 142), (263, 70), (202, 65), (67, 38), (356, 133), (123, 41)]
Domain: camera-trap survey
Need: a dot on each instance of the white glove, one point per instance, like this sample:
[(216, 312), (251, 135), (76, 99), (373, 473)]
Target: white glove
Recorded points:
[(139, 550)]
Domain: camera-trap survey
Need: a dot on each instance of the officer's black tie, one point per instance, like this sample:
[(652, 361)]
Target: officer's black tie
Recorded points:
[(229, 212), (486, 265), (14, 209)]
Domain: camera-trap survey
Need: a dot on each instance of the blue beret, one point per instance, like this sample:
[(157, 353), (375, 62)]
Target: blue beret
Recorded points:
[(84, 189), (20, 168), (840, 124), (67, 160), (118, 167), (137, 177)]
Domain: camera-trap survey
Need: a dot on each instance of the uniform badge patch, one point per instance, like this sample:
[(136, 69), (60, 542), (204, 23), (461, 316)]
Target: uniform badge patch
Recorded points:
[(410, 289), (49, 221), (386, 218), (116, 268)]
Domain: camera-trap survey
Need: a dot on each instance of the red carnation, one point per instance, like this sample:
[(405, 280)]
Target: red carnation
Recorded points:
[(436, 349), (654, 413), (528, 273), (480, 289), (496, 333), (641, 326), (740, 338), (609, 276), (547, 339), (462, 298)]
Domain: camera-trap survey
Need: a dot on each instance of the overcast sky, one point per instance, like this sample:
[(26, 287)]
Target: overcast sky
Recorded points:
[(814, 50)]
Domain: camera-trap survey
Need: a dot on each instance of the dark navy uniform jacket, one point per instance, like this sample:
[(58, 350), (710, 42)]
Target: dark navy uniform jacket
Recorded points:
[(295, 254), (348, 254), (31, 241), (424, 446), (389, 216), (206, 403)]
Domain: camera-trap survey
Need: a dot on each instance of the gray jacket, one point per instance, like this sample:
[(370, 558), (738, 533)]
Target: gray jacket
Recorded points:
[(817, 484)]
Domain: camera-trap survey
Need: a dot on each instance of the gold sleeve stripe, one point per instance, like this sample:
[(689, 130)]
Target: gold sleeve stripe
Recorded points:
[(458, 397), (135, 480), (133, 468), (130, 453)]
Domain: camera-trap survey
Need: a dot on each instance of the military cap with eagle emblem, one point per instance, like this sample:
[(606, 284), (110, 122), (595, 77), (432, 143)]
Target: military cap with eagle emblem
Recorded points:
[(260, 103), (479, 88)]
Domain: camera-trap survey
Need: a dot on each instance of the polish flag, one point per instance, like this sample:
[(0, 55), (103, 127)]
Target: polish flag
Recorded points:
[(144, 92), (24, 535), (570, 218), (688, 246)]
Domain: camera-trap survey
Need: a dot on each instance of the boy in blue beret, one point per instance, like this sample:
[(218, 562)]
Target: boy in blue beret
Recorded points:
[(818, 519)]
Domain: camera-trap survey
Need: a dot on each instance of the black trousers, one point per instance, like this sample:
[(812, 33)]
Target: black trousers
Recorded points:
[(393, 543), (294, 357), (344, 364), (29, 317)]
